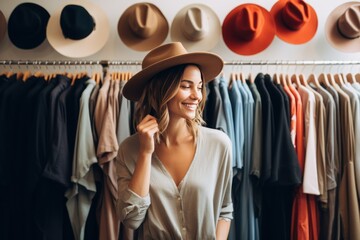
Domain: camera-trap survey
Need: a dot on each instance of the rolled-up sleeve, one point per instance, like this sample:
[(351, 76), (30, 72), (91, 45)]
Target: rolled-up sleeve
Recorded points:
[(131, 208)]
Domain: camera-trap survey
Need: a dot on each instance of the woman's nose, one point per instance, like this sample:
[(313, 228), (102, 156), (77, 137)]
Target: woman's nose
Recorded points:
[(196, 94)]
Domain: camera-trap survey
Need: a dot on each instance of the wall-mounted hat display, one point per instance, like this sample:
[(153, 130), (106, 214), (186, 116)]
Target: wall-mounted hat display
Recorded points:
[(78, 28), (27, 25), (248, 29), (296, 21), (197, 27), (342, 28), (167, 56), (142, 27), (2, 26)]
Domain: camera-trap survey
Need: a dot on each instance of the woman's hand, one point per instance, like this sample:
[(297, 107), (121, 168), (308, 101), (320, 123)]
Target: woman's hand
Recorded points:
[(146, 130)]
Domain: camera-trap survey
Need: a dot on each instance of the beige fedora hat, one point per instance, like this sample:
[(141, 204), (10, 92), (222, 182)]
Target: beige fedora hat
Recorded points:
[(3, 25), (197, 27), (167, 56), (142, 27), (342, 27), (78, 28)]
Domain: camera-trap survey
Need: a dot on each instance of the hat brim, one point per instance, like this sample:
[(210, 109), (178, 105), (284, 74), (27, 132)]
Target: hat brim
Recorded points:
[(303, 35), (84, 47), (142, 44), (205, 44), (333, 35), (247, 47), (2, 26), (210, 65)]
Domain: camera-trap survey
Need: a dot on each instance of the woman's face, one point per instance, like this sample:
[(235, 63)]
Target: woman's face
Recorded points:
[(188, 96)]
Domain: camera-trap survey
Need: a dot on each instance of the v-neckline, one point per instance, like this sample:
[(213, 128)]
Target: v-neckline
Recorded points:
[(182, 182)]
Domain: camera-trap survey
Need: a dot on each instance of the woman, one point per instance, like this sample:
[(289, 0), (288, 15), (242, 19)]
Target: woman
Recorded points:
[(174, 175)]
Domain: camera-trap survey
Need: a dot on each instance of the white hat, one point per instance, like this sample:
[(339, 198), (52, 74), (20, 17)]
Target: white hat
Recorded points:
[(78, 28), (197, 27)]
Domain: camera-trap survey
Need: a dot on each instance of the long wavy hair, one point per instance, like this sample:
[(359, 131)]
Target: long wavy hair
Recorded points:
[(159, 91)]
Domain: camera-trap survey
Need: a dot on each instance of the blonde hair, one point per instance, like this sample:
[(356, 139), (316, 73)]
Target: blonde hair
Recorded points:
[(159, 91)]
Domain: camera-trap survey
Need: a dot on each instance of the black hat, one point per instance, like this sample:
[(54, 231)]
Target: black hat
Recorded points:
[(27, 25), (76, 23)]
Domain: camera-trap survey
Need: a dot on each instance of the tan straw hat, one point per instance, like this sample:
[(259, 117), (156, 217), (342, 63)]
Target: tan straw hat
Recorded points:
[(167, 56), (78, 28), (197, 27), (342, 28), (142, 27)]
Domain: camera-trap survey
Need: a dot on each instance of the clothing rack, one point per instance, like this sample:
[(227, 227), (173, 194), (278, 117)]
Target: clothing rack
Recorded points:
[(106, 63)]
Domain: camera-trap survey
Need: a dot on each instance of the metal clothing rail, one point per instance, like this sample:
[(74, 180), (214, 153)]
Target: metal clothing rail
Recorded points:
[(106, 63)]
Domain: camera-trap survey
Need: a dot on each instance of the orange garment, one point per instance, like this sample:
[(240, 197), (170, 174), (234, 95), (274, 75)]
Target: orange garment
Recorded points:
[(302, 225)]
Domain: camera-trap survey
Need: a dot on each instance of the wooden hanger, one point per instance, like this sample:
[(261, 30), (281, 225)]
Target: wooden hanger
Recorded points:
[(276, 78), (251, 79), (323, 79), (9, 74), (96, 76), (75, 76), (331, 79), (339, 79), (350, 78), (288, 79), (19, 75), (283, 80), (357, 77), (241, 77), (231, 80), (313, 79), (295, 79), (302, 79), (128, 76)]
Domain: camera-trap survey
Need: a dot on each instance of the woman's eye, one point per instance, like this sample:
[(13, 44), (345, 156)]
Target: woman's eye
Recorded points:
[(185, 86)]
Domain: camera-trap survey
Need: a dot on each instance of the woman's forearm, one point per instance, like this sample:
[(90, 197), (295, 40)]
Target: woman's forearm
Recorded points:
[(140, 181), (222, 229)]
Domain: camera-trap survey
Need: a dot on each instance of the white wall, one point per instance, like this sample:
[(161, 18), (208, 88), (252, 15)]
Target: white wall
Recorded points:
[(316, 49)]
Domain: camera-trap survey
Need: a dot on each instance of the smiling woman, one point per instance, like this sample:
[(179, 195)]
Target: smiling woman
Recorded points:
[(174, 175)]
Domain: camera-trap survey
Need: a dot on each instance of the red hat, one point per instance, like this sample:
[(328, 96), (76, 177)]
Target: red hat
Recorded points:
[(248, 29), (296, 21)]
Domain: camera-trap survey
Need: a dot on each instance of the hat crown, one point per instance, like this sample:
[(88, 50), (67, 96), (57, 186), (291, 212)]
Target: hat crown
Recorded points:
[(249, 23), (27, 21), (76, 22), (349, 22), (163, 52), (295, 14), (143, 22), (195, 24)]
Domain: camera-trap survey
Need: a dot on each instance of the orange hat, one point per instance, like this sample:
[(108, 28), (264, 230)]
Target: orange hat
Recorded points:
[(248, 29), (296, 21)]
